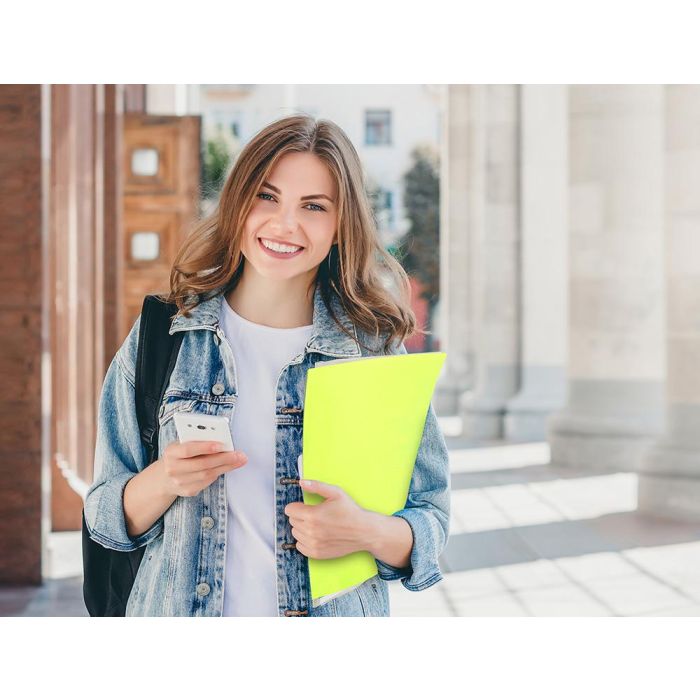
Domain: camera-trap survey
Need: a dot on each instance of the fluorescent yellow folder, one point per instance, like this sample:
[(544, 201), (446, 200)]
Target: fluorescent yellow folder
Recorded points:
[(363, 424)]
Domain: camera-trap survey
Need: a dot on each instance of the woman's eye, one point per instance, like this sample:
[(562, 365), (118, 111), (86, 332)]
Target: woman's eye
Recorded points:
[(263, 195)]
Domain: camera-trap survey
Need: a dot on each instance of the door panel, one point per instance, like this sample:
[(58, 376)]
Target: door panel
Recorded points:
[(161, 165)]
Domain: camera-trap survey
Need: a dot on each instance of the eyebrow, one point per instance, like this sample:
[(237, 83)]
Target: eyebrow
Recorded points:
[(308, 196)]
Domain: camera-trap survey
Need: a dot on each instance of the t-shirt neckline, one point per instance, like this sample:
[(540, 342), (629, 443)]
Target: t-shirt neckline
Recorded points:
[(258, 326)]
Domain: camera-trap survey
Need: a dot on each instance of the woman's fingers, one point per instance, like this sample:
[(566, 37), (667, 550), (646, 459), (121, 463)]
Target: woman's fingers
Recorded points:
[(193, 448), (190, 467), (227, 458), (202, 476)]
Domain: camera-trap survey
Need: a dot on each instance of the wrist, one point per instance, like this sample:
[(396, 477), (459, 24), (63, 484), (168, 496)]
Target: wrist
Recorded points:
[(371, 530), (160, 479), (389, 539)]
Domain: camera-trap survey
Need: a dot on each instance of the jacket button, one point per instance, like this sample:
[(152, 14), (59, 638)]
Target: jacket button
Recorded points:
[(207, 522), (218, 389), (203, 588)]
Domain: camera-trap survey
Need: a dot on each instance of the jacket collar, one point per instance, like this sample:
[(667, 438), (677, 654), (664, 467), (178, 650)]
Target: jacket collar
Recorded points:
[(325, 338)]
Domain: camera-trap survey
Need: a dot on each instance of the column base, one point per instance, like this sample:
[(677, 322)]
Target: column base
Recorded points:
[(482, 426), (669, 483), (446, 400), (596, 445), (482, 409), (450, 386), (482, 418), (542, 394), (527, 426)]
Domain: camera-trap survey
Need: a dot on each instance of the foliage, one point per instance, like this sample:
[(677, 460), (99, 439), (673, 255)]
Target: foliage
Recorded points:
[(219, 150), (419, 249)]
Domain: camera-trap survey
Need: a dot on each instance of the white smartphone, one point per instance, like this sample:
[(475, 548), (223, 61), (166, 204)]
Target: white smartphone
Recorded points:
[(200, 426)]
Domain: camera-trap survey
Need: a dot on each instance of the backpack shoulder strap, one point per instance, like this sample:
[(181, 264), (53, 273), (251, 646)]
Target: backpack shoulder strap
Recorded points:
[(155, 360)]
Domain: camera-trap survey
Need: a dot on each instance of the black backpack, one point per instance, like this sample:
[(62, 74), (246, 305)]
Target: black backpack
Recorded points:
[(109, 574)]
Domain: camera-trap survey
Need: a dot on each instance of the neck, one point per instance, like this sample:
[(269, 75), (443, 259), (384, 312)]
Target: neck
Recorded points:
[(274, 303)]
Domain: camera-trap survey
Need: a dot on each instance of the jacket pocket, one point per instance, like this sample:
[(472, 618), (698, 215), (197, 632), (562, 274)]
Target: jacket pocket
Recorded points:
[(172, 405), (372, 600)]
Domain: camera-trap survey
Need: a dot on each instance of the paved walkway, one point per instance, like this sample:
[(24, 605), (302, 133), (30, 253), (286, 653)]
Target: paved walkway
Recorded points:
[(526, 538)]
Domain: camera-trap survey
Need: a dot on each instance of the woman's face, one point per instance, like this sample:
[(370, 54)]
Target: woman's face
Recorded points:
[(294, 208)]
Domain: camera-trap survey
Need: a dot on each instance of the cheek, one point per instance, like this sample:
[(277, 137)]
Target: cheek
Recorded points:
[(250, 230), (319, 252), (321, 235)]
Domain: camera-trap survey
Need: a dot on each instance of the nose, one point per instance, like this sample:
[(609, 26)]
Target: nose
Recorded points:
[(286, 220)]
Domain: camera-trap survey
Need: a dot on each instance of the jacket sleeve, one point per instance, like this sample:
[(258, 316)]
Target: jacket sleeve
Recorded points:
[(427, 509), (119, 455)]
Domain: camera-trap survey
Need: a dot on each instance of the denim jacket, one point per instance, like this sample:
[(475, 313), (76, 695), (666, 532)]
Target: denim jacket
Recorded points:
[(183, 567)]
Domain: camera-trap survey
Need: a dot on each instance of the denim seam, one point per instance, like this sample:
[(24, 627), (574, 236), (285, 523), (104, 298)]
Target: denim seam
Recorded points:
[(390, 576), (129, 378), (425, 584), (434, 578), (136, 542)]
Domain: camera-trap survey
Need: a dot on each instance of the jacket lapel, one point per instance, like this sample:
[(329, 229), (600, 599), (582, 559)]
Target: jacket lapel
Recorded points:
[(326, 337)]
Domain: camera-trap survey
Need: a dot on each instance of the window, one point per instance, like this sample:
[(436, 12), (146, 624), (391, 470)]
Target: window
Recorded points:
[(377, 127), (383, 205), (144, 162), (145, 245), (227, 120), (388, 208)]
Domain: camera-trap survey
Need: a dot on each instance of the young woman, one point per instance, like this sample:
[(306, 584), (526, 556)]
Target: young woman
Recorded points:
[(286, 273)]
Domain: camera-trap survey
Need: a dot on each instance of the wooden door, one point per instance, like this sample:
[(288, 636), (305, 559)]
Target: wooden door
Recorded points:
[(161, 201)]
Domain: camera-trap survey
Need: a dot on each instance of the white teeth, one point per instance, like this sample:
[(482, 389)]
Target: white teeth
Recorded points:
[(278, 247)]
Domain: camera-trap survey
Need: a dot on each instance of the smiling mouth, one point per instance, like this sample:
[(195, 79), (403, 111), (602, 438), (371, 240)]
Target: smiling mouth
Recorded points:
[(279, 253)]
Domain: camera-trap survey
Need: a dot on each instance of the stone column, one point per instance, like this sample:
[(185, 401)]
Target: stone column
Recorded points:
[(459, 193), (494, 269), (669, 484), (616, 357), (544, 264)]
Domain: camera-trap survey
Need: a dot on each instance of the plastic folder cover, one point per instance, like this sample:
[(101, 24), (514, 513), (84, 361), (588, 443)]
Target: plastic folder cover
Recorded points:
[(363, 424)]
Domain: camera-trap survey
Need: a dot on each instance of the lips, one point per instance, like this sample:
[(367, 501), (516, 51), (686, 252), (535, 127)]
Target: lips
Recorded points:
[(276, 254)]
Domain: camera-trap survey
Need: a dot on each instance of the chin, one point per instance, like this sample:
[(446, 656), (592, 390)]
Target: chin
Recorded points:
[(273, 272)]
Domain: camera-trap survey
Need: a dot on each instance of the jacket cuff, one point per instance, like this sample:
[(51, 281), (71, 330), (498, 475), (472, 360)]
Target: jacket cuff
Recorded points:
[(107, 526), (423, 570)]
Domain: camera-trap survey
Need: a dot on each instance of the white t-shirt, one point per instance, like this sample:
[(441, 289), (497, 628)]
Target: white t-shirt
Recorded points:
[(260, 353)]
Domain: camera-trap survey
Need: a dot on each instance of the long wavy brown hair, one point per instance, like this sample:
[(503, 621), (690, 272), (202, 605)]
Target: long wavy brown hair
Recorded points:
[(371, 284)]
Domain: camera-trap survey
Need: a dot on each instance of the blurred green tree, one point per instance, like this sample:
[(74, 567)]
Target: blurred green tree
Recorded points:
[(419, 248), (218, 151)]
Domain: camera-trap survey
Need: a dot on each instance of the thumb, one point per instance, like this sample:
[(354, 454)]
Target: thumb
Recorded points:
[(320, 487)]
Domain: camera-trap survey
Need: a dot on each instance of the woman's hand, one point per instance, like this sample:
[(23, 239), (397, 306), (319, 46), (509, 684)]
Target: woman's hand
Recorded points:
[(336, 527), (189, 467)]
